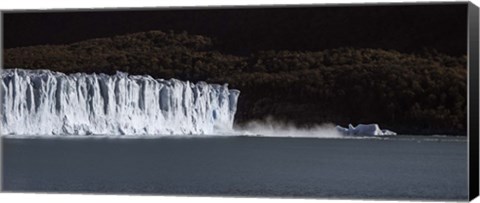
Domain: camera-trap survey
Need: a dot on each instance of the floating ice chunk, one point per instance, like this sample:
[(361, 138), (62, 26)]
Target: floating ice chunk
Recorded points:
[(364, 130), (388, 132)]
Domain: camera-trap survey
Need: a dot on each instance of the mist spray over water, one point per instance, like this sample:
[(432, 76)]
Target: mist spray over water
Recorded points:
[(269, 127)]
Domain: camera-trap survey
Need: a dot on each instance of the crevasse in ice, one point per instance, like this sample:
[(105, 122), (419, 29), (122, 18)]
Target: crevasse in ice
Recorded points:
[(43, 102)]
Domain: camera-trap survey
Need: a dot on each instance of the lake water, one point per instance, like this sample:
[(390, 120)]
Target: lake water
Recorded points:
[(395, 168)]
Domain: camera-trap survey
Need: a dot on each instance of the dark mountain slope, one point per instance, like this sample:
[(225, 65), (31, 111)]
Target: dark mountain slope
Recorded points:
[(423, 93)]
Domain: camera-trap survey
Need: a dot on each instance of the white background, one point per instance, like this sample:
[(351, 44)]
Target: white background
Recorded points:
[(73, 198)]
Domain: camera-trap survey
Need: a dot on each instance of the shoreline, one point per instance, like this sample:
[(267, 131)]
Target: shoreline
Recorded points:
[(438, 138)]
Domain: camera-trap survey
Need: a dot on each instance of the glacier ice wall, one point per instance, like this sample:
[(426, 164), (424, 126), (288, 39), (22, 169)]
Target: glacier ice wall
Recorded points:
[(42, 102)]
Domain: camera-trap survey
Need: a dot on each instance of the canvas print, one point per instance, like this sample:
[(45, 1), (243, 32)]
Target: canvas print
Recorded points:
[(311, 101)]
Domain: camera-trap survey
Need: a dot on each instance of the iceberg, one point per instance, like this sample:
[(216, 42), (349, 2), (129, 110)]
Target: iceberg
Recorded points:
[(365, 130), (43, 102)]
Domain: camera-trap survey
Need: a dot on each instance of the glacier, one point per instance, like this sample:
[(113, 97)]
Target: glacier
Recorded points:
[(44, 102)]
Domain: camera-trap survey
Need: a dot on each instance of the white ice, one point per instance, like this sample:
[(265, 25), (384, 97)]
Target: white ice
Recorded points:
[(365, 130), (43, 102)]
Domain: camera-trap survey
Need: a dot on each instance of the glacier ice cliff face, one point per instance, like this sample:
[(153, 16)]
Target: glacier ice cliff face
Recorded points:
[(42, 102)]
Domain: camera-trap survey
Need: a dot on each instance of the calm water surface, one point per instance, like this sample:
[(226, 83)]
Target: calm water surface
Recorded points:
[(395, 168)]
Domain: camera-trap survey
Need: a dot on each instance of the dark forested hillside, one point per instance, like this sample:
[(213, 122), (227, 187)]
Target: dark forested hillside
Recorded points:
[(242, 30), (417, 93)]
